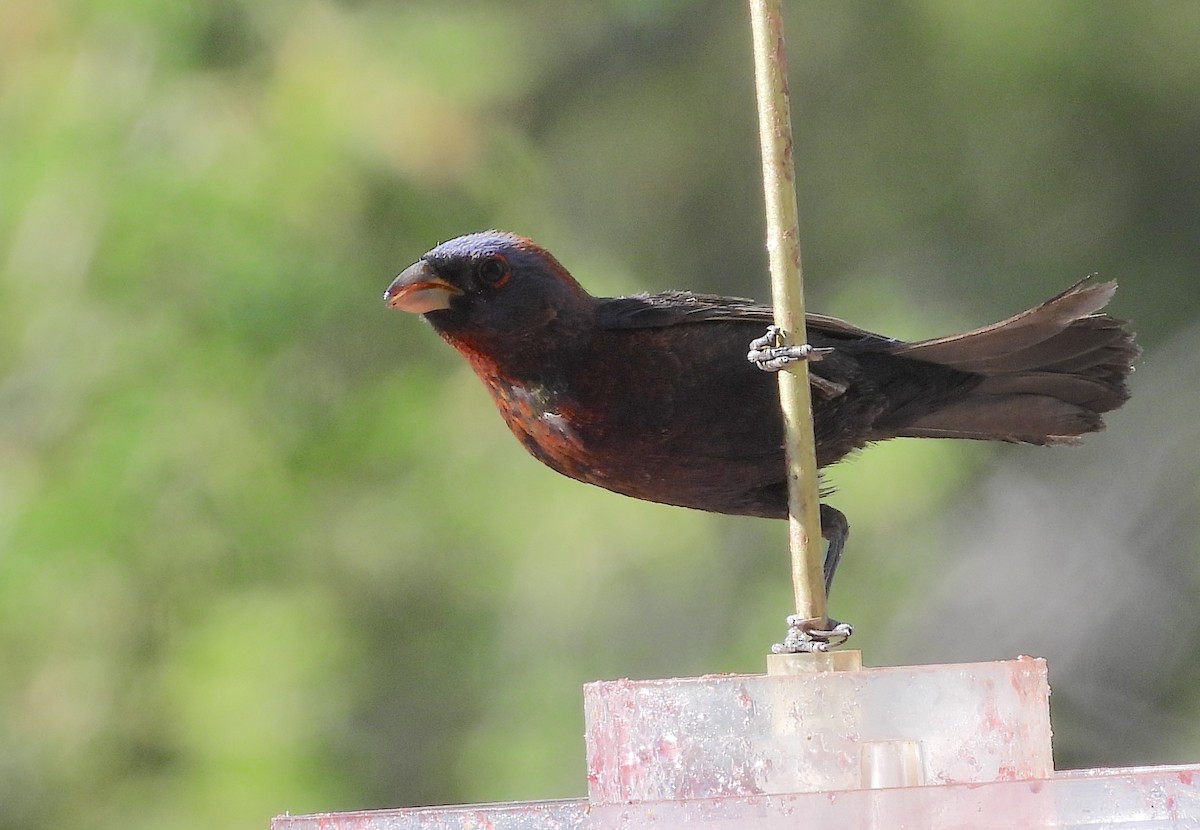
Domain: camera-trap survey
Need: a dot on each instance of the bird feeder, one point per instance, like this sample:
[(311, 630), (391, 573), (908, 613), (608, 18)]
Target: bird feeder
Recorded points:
[(818, 741)]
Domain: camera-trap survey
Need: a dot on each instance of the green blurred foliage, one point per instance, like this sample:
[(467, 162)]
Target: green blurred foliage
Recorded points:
[(265, 546)]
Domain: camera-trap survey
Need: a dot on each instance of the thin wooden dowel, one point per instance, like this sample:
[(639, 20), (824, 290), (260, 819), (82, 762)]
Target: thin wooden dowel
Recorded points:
[(787, 290)]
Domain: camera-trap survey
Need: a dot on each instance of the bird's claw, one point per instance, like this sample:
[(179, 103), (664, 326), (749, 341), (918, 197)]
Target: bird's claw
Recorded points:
[(769, 354), (804, 638)]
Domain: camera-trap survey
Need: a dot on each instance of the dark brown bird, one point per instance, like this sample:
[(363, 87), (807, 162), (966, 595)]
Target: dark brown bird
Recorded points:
[(652, 395)]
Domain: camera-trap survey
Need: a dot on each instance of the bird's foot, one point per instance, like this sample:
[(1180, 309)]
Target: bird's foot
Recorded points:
[(769, 354), (804, 637)]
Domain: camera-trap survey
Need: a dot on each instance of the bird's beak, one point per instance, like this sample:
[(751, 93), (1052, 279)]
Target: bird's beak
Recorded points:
[(418, 290)]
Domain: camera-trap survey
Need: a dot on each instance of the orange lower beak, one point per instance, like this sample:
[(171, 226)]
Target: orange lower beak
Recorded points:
[(418, 290)]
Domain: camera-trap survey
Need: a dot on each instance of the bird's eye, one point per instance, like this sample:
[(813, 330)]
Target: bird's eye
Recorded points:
[(494, 271)]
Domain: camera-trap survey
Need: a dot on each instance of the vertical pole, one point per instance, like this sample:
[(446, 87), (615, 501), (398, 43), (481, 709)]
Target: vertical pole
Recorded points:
[(787, 290)]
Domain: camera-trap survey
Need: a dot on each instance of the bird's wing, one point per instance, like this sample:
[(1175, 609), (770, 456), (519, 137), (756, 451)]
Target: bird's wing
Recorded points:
[(672, 308)]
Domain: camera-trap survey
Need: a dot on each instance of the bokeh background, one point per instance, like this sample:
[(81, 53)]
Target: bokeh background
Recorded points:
[(265, 546)]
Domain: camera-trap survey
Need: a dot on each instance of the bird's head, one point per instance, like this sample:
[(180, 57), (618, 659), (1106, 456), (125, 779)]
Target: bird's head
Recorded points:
[(491, 289)]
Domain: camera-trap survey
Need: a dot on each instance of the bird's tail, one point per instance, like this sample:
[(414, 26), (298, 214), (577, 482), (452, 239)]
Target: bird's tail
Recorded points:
[(1047, 374)]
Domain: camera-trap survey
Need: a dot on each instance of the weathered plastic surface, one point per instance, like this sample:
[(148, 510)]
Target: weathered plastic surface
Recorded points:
[(1165, 798), (746, 735), (542, 815), (959, 747), (1150, 798)]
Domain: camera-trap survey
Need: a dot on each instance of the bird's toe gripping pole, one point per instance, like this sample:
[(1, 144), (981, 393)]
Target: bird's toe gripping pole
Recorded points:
[(802, 638), (770, 354)]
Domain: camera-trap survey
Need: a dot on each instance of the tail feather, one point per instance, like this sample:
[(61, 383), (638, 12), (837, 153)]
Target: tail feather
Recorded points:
[(1026, 419), (1017, 333), (1046, 376), (1073, 389), (1078, 341)]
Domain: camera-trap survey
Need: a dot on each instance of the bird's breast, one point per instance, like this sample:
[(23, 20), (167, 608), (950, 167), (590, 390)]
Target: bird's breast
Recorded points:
[(546, 422)]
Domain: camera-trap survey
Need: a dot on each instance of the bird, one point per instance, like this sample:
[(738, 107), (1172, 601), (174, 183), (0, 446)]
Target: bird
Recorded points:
[(655, 396)]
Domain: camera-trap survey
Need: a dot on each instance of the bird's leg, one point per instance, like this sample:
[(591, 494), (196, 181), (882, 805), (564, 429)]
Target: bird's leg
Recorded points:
[(811, 636), (835, 529), (769, 354)]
